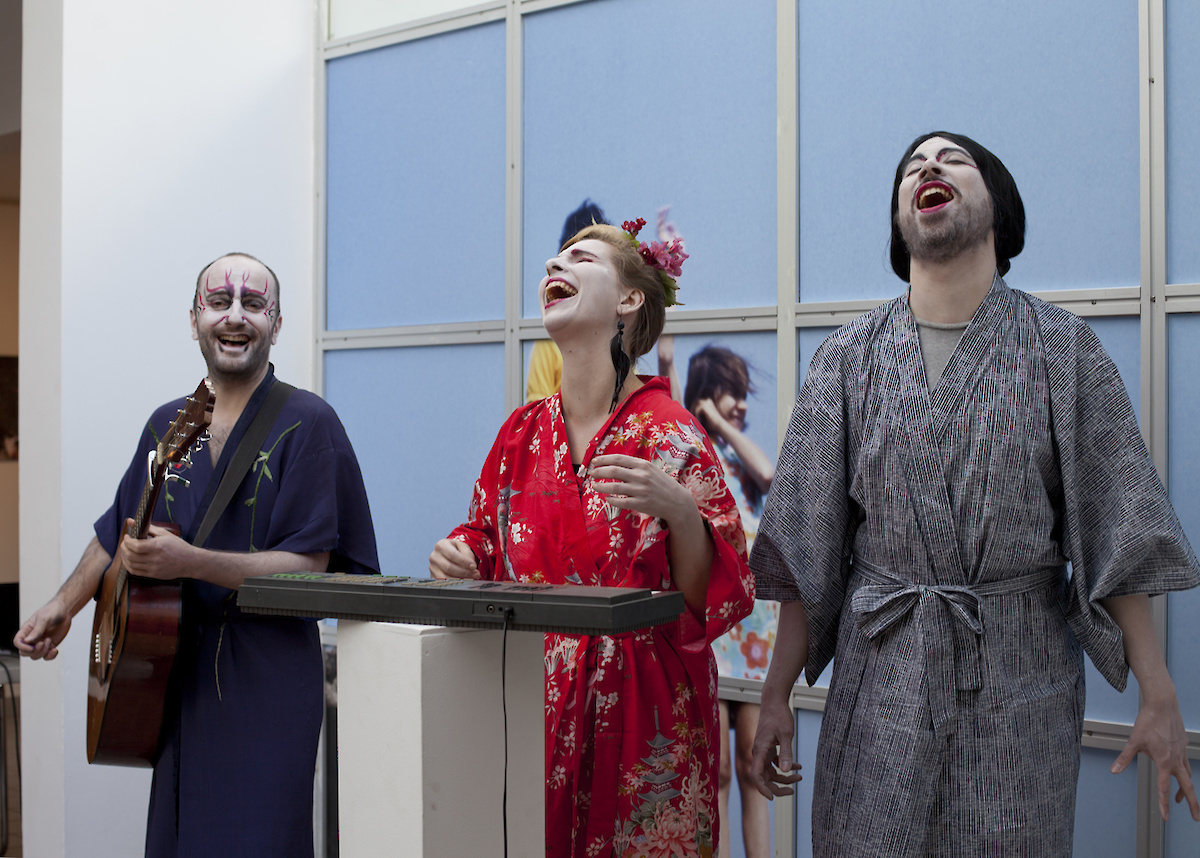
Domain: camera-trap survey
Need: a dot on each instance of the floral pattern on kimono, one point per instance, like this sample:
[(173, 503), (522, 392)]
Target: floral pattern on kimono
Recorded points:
[(631, 720)]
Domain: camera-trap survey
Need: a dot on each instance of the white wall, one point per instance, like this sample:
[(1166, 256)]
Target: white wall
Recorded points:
[(351, 17), (155, 137)]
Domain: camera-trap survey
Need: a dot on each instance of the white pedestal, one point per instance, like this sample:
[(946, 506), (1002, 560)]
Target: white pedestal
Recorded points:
[(421, 742)]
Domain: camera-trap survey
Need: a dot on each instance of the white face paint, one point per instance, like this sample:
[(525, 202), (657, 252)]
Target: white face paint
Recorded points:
[(236, 318), (943, 205), (581, 286)]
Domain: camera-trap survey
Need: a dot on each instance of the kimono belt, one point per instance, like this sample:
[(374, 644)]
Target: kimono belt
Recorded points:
[(944, 613)]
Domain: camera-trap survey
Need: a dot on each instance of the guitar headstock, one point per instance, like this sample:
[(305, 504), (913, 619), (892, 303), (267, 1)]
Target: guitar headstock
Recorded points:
[(185, 429)]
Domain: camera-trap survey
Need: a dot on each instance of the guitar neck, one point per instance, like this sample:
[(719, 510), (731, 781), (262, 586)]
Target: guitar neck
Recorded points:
[(150, 492), (185, 430)]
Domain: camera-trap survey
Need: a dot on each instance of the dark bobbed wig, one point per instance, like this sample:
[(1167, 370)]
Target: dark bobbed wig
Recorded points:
[(715, 370), (642, 333), (587, 214), (1008, 212), (274, 279)]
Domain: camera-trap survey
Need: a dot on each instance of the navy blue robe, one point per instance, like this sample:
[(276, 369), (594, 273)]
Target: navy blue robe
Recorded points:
[(235, 775)]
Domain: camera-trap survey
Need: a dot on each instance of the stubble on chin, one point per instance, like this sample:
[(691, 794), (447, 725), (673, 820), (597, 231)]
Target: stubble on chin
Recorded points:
[(947, 239), (233, 370)]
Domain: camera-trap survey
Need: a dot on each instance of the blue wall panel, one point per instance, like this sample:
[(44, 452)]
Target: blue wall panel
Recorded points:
[(422, 421), (1183, 466), (1182, 837), (640, 104), (1105, 808), (415, 201), (1051, 88), (1182, 94), (1182, 834)]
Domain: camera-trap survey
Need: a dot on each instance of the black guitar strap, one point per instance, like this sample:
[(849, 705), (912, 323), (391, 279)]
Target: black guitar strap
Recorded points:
[(244, 456)]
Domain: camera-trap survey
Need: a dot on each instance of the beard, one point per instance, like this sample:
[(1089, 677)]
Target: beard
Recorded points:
[(234, 368), (950, 236)]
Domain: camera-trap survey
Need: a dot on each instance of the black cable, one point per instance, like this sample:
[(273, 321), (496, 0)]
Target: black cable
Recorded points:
[(508, 612)]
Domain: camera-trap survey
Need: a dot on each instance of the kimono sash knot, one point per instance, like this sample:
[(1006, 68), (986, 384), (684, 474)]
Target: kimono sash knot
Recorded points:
[(943, 613)]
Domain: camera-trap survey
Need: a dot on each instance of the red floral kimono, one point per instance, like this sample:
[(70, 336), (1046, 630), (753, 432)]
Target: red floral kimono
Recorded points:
[(631, 719)]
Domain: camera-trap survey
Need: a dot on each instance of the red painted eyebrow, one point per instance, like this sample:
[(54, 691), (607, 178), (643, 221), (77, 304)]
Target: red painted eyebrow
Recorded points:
[(941, 153)]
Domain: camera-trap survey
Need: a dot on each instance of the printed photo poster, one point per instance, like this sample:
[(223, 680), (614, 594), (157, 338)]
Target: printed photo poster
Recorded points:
[(727, 382)]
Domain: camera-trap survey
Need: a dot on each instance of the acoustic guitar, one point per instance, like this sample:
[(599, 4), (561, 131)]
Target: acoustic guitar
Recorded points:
[(135, 632)]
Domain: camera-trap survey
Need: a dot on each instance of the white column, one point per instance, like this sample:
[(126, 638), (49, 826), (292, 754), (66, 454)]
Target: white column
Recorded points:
[(155, 137), (421, 742)]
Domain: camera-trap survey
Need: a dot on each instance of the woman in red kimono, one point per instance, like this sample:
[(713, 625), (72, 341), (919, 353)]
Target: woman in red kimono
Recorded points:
[(612, 483)]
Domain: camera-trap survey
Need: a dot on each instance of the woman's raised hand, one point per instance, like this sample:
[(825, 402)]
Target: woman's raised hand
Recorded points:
[(632, 483)]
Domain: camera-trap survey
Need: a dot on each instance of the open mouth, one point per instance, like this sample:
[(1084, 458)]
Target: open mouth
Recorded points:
[(557, 290), (933, 195), (234, 341)]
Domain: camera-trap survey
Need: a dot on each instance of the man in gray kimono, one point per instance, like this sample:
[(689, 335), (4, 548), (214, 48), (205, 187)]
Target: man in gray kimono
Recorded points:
[(949, 454)]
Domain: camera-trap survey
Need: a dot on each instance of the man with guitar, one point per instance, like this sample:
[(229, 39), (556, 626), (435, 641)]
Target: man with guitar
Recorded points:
[(276, 488)]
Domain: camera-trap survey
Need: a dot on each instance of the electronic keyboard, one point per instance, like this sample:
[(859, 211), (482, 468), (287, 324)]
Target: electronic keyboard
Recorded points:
[(459, 602)]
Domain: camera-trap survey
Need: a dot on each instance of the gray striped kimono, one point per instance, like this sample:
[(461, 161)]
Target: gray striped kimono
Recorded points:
[(928, 535)]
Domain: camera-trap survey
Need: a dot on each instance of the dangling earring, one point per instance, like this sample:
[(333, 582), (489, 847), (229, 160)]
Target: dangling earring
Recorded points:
[(620, 361)]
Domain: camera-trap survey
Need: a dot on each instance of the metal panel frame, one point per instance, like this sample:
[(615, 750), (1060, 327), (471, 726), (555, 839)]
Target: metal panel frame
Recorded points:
[(1152, 302), (1150, 829)]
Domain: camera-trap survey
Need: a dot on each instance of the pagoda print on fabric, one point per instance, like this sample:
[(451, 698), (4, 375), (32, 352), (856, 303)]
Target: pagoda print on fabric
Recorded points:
[(660, 825)]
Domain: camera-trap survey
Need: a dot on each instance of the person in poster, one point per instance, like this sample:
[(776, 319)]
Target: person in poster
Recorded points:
[(718, 383)]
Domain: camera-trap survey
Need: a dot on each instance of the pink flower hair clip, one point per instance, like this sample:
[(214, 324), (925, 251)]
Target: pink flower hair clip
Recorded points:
[(665, 256)]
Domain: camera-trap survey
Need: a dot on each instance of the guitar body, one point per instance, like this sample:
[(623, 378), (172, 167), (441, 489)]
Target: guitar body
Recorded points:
[(135, 631), (135, 635)]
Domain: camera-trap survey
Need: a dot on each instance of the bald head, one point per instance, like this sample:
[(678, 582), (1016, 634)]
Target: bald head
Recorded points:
[(214, 272)]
